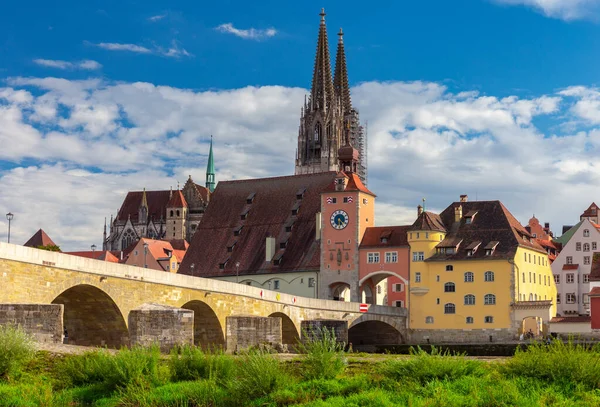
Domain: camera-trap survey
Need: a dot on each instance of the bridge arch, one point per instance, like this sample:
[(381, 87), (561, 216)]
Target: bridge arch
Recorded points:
[(377, 276), (340, 291), (289, 331), (92, 318), (373, 330), (208, 332)]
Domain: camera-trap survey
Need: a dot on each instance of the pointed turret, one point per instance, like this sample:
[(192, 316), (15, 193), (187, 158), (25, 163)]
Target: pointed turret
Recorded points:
[(210, 169), (340, 78), (322, 94)]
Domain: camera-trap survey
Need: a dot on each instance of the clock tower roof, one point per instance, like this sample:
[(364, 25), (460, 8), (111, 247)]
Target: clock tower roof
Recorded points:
[(353, 184)]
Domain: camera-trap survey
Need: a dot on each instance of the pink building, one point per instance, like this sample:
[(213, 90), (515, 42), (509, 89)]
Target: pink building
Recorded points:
[(384, 261)]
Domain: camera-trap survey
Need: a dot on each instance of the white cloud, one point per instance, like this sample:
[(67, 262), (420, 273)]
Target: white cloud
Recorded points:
[(174, 51), (249, 34), (58, 64), (563, 9), (92, 141), (157, 17)]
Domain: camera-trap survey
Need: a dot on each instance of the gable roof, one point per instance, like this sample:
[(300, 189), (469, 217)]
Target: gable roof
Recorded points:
[(177, 200), (269, 213), (493, 223), (104, 255), (429, 221), (157, 205), (395, 235), (354, 183), (591, 211), (40, 238), (567, 235)]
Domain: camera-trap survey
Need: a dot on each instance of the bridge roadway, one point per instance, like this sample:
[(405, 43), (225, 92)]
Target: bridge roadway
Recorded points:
[(98, 297)]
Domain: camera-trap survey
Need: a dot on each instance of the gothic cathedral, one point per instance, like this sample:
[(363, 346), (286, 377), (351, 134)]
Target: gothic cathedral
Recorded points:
[(328, 120)]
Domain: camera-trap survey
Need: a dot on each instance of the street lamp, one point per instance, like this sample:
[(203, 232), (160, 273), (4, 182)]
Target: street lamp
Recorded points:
[(145, 253), (93, 251), (237, 271), (9, 217)]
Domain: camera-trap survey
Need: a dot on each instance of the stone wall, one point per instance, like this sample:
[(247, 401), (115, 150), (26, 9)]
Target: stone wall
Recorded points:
[(43, 321), (313, 329), (161, 324), (246, 331), (423, 336)]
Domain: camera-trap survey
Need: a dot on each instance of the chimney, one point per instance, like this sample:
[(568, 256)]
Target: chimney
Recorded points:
[(464, 198), (546, 226), (318, 226), (269, 249), (457, 213), (419, 210)]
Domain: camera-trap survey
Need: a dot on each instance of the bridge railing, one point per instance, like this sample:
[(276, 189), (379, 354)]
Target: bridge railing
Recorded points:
[(122, 271)]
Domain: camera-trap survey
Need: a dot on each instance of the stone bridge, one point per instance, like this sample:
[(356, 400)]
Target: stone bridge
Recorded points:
[(98, 298)]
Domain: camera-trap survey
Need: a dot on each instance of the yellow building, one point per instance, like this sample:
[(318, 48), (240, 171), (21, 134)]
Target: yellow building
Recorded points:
[(477, 275)]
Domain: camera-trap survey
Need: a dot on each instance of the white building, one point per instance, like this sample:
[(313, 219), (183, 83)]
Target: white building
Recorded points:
[(572, 268)]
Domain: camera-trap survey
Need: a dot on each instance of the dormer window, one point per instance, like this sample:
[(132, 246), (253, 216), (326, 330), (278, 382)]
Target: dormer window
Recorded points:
[(250, 198), (488, 252), (223, 265), (490, 247), (277, 259), (283, 245), (230, 248), (237, 230), (288, 229), (469, 253), (300, 193), (295, 209), (244, 214), (384, 240)]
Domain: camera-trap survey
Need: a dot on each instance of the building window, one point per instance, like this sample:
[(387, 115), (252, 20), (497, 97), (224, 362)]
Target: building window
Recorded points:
[(311, 282), (578, 246), (569, 259), (594, 246), (558, 298), (399, 304), (418, 256), (378, 289), (418, 235), (586, 233), (373, 257), (571, 298), (586, 278), (429, 320), (557, 278), (570, 278), (469, 320), (469, 299), (489, 319), (417, 277), (449, 308), (449, 288), (523, 274), (488, 276), (449, 267), (437, 278), (397, 288), (437, 301), (533, 278), (391, 257), (469, 277), (489, 299), (586, 247), (585, 298), (586, 259)]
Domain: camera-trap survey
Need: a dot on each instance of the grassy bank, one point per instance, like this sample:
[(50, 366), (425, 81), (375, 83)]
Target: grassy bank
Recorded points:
[(555, 375)]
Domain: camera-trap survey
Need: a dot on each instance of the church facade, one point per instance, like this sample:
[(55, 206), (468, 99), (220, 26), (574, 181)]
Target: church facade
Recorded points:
[(328, 116), (161, 215)]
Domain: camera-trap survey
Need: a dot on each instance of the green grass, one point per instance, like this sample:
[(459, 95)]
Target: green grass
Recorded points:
[(325, 357), (555, 375), (16, 350)]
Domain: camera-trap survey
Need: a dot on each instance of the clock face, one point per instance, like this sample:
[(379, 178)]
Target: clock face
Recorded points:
[(339, 219)]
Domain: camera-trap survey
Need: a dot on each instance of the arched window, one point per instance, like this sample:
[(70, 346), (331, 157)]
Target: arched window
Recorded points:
[(449, 308), (488, 276), (449, 267), (586, 233), (530, 297), (171, 213), (449, 287), (586, 247), (429, 320), (318, 130), (469, 299), (469, 277), (177, 212), (489, 299), (128, 239), (469, 320)]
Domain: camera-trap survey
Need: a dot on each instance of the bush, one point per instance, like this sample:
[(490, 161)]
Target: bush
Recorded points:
[(325, 356), (191, 363), (562, 363), (183, 394), (16, 349), (258, 374), (424, 367)]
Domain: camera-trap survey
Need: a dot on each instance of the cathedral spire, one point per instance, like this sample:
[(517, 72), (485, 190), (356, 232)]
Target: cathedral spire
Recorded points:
[(340, 78), (321, 94), (210, 169)]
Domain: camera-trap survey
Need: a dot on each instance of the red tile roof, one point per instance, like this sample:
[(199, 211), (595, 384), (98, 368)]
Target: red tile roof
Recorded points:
[(270, 212), (97, 255), (177, 200), (591, 211), (395, 235), (560, 320), (429, 221), (354, 183), (204, 192), (547, 243), (40, 238), (595, 292), (570, 266), (157, 205)]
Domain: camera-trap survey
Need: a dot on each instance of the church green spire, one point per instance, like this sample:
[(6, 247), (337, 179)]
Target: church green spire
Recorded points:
[(210, 170)]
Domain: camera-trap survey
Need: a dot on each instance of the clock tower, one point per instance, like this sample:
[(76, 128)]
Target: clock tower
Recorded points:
[(347, 209)]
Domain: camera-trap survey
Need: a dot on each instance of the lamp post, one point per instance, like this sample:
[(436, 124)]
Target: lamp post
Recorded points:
[(145, 253), (237, 271), (93, 251), (192, 268), (9, 217)]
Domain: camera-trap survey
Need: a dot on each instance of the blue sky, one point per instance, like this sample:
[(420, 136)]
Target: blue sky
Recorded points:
[(494, 98)]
